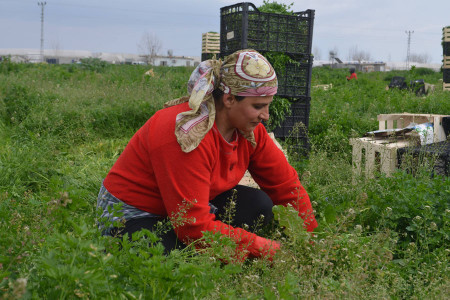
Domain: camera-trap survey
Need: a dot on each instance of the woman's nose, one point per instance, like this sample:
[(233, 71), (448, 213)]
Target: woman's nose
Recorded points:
[(264, 115)]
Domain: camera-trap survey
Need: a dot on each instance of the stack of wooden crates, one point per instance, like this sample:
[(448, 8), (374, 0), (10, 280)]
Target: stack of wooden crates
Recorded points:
[(210, 45), (446, 60), (372, 154)]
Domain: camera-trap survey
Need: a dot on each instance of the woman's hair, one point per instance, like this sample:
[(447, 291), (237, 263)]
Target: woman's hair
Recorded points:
[(218, 94)]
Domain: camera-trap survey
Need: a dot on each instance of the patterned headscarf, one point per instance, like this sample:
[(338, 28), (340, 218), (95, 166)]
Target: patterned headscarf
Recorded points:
[(243, 73)]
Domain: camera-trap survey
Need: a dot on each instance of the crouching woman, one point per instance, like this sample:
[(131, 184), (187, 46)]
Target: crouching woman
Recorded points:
[(190, 156)]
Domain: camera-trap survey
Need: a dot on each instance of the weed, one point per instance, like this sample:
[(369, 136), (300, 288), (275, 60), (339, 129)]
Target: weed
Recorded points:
[(381, 238)]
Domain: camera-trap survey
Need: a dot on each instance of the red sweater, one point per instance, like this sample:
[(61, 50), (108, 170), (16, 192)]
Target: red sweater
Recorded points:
[(154, 175), (353, 75)]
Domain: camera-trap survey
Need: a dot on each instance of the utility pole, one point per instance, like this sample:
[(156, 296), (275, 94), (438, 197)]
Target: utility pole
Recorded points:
[(42, 4), (409, 45)]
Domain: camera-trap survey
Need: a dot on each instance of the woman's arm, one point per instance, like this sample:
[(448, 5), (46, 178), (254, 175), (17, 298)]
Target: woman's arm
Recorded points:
[(273, 173), (184, 180)]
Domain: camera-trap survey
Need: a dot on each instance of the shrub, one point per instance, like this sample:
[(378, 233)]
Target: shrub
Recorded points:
[(18, 102), (419, 214), (424, 71), (73, 124), (93, 64)]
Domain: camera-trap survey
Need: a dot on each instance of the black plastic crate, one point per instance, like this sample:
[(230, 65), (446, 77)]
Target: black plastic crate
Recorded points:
[(446, 75), (298, 117), (206, 56), (243, 26), (446, 48), (294, 81), (398, 82), (440, 152), (294, 129), (418, 87)]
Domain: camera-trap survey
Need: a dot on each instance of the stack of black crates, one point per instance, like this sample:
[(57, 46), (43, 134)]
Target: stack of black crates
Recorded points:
[(242, 26), (446, 60)]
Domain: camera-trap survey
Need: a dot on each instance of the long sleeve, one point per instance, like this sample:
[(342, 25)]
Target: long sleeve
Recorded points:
[(186, 192), (274, 174), (188, 181), (155, 175)]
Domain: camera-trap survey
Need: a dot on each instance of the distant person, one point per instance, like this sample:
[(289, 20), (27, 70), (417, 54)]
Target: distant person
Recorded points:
[(189, 157), (352, 75)]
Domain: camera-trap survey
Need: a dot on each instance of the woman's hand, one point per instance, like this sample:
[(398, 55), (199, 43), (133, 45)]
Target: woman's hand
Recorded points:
[(268, 248)]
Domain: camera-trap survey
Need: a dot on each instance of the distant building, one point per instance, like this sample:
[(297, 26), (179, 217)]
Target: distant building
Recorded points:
[(174, 61), (358, 66), (74, 56), (50, 56), (375, 66), (390, 66)]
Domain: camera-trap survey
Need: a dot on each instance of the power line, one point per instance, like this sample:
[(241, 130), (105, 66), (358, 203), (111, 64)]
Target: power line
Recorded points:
[(42, 4), (408, 48)]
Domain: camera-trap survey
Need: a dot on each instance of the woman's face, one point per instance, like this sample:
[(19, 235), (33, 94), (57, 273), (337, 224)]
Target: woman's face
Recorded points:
[(246, 114)]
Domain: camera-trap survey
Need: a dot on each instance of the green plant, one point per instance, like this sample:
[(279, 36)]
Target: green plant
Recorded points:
[(280, 106), (93, 64), (18, 101), (275, 7), (422, 199), (383, 238), (279, 109)]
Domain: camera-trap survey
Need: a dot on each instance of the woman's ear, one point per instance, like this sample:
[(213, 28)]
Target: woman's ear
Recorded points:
[(228, 100)]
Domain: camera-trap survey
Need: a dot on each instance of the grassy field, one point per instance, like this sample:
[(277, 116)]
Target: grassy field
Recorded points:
[(62, 128)]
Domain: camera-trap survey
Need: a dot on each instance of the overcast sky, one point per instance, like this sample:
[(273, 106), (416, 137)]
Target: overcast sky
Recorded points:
[(377, 27)]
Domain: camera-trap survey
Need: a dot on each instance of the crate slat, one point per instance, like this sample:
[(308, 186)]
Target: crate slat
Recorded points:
[(392, 121), (446, 62), (370, 155), (210, 43), (210, 49), (446, 34), (446, 86)]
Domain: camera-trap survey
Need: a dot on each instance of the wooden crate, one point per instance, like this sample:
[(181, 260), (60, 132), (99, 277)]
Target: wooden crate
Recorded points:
[(446, 34), (211, 42), (324, 87), (446, 86), (392, 121), (446, 62), (370, 155), (380, 154)]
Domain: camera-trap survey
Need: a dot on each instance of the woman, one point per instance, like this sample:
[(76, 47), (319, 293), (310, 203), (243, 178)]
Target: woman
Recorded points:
[(189, 157), (352, 75)]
